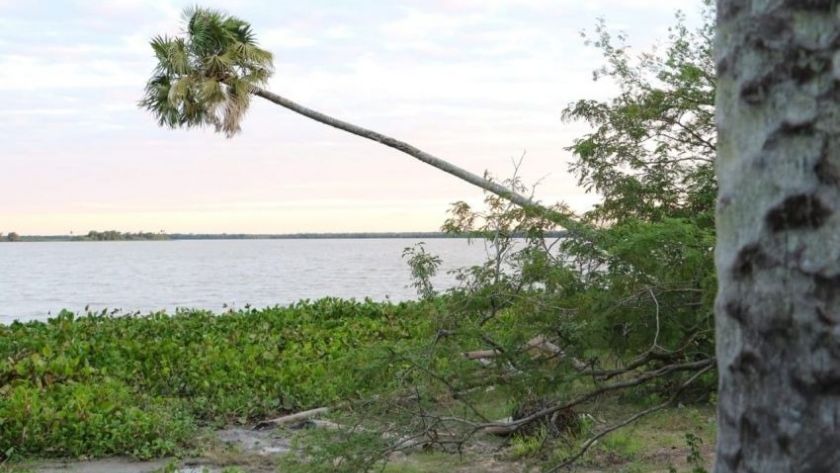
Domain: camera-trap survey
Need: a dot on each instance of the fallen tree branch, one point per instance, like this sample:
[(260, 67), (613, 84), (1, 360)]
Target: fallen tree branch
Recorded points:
[(481, 354), (539, 343), (300, 417), (427, 437), (640, 361), (502, 429), (292, 418), (589, 443), (621, 385), (702, 365)]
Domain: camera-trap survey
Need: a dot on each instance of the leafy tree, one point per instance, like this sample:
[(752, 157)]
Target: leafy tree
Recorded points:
[(113, 235), (12, 236), (651, 157), (628, 308), (207, 78), (777, 257), (652, 152)]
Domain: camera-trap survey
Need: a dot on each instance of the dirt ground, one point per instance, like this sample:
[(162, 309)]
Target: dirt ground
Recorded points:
[(653, 445)]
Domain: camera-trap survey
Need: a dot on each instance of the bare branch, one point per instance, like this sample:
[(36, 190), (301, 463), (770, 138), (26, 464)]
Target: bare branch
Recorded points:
[(586, 445)]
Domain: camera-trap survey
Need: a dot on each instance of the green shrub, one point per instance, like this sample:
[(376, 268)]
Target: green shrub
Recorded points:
[(89, 420), (101, 385)]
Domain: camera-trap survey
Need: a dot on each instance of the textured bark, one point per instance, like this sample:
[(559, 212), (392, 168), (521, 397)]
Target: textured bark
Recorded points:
[(778, 252), (424, 157)]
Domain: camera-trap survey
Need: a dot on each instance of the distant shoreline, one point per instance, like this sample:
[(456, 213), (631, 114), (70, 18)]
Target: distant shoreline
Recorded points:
[(278, 236)]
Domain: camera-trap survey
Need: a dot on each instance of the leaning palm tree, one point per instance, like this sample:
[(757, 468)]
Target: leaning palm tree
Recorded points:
[(208, 76)]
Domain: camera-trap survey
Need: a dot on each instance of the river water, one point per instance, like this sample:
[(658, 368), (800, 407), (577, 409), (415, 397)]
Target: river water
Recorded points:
[(38, 280)]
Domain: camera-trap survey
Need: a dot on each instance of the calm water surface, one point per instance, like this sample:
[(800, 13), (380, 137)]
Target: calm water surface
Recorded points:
[(38, 280)]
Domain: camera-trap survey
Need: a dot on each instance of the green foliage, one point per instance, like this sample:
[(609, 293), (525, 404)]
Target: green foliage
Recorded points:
[(648, 274), (527, 446), (651, 154), (638, 288), (626, 302), (424, 267), (137, 385), (623, 445), (206, 78), (617, 304), (90, 420), (695, 457), (335, 452), (654, 289), (113, 235)]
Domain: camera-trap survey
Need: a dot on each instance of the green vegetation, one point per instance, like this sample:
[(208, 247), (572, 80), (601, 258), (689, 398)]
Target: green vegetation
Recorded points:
[(317, 236), (93, 235), (113, 235), (576, 338), (622, 309), (139, 385)]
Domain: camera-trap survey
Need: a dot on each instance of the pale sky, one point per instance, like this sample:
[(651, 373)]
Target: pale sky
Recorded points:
[(475, 82)]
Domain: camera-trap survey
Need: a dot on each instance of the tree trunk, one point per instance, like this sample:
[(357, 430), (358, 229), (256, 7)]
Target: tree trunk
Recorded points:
[(425, 157), (778, 251)]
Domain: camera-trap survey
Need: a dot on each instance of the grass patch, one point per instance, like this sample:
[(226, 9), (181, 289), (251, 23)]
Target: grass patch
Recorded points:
[(658, 442), (425, 462)]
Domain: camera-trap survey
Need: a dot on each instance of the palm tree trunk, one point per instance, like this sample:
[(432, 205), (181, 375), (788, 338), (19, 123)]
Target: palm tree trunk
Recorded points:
[(423, 156), (777, 311)]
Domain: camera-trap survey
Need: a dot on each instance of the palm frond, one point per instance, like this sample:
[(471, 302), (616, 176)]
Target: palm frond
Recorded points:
[(157, 101), (212, 91), (180, 90), (253, 55), (206, 76), (218, 65), (256, 77), (171, 54)]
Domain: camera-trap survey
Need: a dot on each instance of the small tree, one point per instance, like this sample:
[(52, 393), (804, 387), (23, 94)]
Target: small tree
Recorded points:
[(12, 236), (652, 151), (424, 267)]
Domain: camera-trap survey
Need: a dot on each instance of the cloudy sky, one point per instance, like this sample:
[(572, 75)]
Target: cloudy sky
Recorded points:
[(476, 82)]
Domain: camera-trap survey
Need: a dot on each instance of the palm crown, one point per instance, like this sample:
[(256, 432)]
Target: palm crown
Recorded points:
[(206, 78)]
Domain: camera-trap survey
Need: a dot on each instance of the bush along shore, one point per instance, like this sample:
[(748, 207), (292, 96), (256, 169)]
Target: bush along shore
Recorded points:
[(141, 385)]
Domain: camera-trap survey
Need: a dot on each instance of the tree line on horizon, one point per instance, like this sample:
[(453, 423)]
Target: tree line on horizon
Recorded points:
[(113, 235), (93, 235)]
